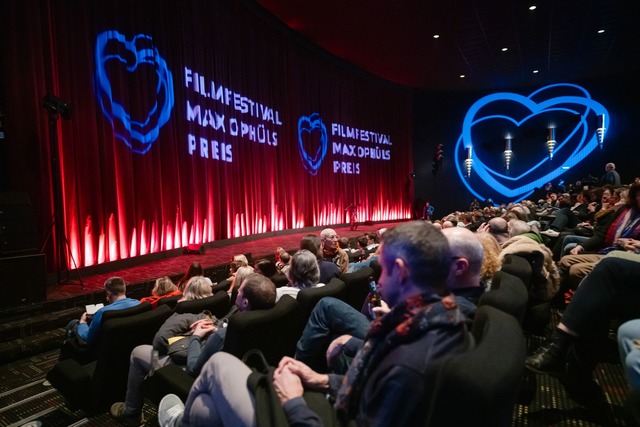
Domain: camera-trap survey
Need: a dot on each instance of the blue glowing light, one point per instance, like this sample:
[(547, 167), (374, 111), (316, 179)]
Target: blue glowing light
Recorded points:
[(310, 128), (572, 147), (138, 135)]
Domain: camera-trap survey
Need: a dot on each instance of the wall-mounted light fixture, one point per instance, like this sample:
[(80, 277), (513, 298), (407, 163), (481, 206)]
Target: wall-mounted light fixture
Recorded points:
[(600, 130), (551, 141), (468, 163), (508, 153)]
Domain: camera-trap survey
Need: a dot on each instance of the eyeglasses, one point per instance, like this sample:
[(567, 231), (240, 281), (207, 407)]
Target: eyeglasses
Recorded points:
[(332, 237)]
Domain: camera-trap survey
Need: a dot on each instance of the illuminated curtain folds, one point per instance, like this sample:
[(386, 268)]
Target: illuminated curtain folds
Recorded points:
[(200, 179)]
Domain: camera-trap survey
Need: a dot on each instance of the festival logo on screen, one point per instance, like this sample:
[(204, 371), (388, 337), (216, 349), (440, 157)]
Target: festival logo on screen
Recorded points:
[(113, 50), (584, 124), (313, 142)]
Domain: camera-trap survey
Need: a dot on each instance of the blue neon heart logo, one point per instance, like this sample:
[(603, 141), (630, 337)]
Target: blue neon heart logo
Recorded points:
[(309, 129), (552, 99), (138, 134)]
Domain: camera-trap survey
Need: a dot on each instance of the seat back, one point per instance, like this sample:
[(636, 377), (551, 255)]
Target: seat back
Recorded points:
[(309, 297), (485, 380), (356, 286), (170, 301), (217, 304), (508, 294), (126, 312), (221, 286), (273, 331)]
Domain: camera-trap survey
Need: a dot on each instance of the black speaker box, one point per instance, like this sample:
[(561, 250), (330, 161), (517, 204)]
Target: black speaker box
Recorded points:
[(23, 280), (17, 225)]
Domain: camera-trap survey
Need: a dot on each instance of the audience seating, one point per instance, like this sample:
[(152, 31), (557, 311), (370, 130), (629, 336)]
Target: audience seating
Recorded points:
[(309, 297), (224, 285), (508, 294), (356, 286), (274, 332), (95, 386), (479, 387), (84, 354), (217, 304), (170, 301), (528, 268)]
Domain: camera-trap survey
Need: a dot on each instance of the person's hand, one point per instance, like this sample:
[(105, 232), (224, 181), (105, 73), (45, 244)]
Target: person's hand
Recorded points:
[(287, 384), (382, 310), (310, 378), (630, 244), (484, 228), (336, 346), (576, 250), (203, 328), (83, 318)]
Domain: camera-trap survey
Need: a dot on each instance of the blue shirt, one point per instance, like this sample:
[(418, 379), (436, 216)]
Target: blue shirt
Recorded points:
[(90, 333)]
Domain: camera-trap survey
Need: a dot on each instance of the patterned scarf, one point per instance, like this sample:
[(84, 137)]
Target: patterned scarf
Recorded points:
[(407, 322)]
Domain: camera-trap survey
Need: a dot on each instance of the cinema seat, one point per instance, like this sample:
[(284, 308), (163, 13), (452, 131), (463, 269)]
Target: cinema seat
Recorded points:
[(217, 304), (95, 386), (356, 286), (479, 387)]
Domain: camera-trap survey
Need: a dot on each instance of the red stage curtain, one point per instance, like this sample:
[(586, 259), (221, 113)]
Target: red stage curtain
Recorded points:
[(119, 203)]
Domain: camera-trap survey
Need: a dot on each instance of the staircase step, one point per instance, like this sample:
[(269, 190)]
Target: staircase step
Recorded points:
[(23, 328), (32, 345)]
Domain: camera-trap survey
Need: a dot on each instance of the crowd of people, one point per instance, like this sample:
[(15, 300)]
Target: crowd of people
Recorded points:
[(432, 273)]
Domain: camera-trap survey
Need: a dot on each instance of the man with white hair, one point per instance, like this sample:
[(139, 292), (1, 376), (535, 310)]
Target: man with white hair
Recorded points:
[(330, 250), (611, 176)]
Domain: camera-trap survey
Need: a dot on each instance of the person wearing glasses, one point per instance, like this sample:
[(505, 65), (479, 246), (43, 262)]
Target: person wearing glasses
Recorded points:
[(331, 251)]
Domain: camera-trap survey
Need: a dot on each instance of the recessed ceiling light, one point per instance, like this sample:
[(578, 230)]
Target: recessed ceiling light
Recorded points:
[(535, 71), (436, 36), (532, 7), (600, 31), (504, 49), (462, 76)]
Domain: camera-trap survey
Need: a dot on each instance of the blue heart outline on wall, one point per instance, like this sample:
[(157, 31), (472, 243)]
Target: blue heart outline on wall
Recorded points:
[(536, 103), (139, 136), (307, 125)]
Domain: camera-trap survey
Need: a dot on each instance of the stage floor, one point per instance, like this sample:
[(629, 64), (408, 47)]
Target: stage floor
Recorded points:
[(258, 247)]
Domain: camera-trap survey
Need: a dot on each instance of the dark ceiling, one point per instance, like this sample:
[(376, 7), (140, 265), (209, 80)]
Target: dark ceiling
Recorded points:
[(394, 39)]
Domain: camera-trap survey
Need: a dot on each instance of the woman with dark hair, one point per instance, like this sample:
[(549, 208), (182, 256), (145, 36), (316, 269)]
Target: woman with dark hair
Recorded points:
[(195, 269)]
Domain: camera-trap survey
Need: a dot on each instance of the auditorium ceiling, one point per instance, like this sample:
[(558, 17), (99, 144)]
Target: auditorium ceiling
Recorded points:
[(430, 44)]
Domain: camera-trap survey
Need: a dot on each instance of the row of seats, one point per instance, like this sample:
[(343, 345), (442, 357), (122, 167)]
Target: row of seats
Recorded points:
[(95, 380)]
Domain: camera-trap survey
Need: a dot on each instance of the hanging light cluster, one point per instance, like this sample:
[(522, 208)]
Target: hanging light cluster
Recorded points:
[(551, 141), (468, 163), (508, 152)]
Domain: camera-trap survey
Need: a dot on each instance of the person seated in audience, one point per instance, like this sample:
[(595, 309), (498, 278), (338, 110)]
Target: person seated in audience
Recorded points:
[(255, 293), (523, 242), (87, 330), (163, 288), (622, 235), (343, 243), (601, 216), (195, 269), (266, 267), (198, 287), (333, 319), (490, 260), (330, 250), (282, 260), (237, 279), (303, 273), (497, 227), (609, 292), (328, 269), (629, 347), (424, 328)]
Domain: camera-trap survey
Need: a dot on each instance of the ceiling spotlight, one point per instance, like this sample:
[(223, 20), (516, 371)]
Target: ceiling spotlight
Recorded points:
[(436, 36), (532, 7), (462, 76), (600, 31), (504, 49), (535, 71)]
